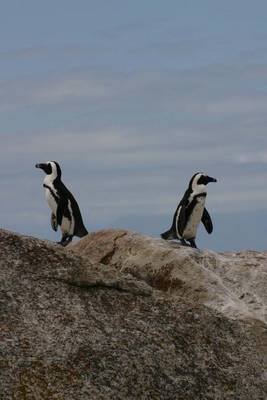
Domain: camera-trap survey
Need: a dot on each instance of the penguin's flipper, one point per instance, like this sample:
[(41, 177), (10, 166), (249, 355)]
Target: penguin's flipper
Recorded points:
[(62, 209), (54, 223), (192, 243), (206, 220), (169, 235)]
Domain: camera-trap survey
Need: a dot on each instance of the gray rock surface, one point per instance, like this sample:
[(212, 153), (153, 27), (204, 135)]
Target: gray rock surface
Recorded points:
[(89, 323), (232, 283)]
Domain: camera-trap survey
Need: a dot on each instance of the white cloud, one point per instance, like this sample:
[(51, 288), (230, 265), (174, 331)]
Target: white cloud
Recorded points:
[(238, 105), (252, 158)]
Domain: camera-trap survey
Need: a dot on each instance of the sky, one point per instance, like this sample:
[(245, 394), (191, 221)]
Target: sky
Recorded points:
[(132, 98)]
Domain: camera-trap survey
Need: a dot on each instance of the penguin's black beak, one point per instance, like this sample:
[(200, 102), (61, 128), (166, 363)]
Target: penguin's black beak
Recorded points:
[(210, 179), (41, 166), (45, 167)]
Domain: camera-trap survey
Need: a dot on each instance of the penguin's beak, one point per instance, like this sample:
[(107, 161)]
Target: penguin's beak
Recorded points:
[(210, 179), (41, 166)]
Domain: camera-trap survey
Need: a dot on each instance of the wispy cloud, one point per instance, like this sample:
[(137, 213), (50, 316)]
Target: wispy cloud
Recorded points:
[(258, 157), (170, 122), (68, 50), (129, 139)]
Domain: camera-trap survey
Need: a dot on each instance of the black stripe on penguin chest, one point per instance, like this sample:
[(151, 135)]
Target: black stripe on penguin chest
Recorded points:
[(194, 203), (55, 197), (62, 204)]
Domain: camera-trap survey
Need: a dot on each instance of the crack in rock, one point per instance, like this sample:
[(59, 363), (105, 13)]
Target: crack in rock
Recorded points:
[(107, 258)]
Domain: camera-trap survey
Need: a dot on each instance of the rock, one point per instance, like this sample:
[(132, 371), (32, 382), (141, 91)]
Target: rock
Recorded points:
[(80, 326), (232, 283)]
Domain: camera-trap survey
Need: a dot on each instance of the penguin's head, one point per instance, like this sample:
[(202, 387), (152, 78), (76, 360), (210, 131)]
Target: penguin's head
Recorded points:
[(50, 168), (200, 180)]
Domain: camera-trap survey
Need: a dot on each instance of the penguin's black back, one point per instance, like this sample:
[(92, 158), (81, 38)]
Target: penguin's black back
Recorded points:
[(171, 233), (183, 202), (79, 228)]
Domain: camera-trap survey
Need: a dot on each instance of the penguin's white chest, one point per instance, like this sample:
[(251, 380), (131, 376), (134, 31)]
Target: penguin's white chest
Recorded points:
[(50, 198), (194, 219)]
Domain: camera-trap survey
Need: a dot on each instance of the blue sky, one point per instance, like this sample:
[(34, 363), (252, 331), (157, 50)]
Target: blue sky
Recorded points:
[(132, 98)]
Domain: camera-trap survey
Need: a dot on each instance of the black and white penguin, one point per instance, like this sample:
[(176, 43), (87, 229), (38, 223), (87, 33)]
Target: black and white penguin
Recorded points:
[(65, 209), (190, 211)]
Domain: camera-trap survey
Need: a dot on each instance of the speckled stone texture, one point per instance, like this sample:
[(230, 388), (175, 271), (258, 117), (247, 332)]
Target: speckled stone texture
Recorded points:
[(232, 283), (77, 324)]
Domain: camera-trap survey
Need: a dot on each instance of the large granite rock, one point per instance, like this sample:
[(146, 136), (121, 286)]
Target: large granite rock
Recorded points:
[(232, 283), (105, 323)]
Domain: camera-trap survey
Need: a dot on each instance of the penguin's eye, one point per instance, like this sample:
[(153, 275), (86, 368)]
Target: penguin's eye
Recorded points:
[(49, 169), (202, 180)]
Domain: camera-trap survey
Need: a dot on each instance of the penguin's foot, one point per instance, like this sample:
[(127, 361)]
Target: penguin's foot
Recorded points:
[(192, 243), (65, 240), (183, 242)]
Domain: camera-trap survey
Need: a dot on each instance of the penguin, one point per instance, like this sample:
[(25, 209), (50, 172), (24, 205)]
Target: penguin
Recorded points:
[(190, 211), (65, 209)]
